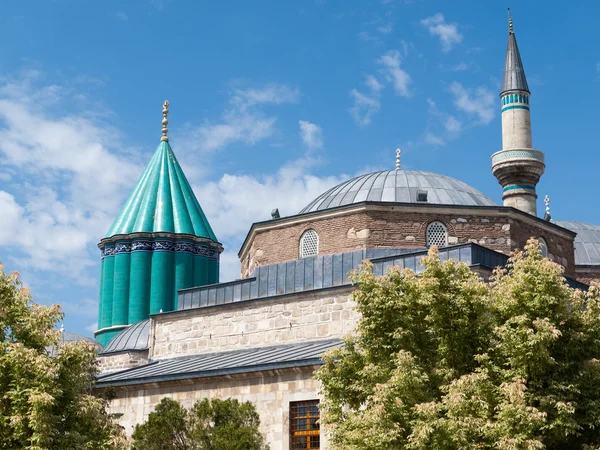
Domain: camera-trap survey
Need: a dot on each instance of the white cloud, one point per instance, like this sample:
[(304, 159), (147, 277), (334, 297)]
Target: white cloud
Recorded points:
[(373, 84), (460, 67), (447, 32), (367, 37), (71, 179), (385, 29), (393, 73), (121, 15), (452, 124), (433, 139), (243, 121), (311, 134), (234, 202), (366, 105), (441, 126), (479, 101)]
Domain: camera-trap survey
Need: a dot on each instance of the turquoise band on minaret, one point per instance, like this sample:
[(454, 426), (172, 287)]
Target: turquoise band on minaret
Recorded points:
[(159, 243), (518, 166)]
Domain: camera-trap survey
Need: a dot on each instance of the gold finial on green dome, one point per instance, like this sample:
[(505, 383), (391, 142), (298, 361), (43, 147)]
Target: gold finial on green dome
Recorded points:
[(165, 121)]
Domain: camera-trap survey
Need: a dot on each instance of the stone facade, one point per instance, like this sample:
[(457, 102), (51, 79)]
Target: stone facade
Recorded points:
[(402, 226), (120, 361), (271, 393), (589, 275), (256, 323)]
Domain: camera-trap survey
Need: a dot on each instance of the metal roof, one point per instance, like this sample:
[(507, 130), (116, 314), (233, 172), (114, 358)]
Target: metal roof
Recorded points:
[(514, 74), (162, 201), (400, 186), (69, 336), (134, 337), (587, 242), (324, 272), (223, 363)]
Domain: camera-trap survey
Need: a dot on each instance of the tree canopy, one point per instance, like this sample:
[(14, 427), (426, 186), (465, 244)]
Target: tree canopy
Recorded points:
[(46, 400), (211, 424), (443, 360)]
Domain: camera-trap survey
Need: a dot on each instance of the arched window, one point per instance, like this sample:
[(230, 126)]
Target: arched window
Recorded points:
[(437, 234), (543, 247), (309, 244)]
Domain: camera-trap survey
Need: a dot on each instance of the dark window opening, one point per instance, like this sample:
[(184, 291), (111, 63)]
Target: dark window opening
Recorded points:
[(304, 425)]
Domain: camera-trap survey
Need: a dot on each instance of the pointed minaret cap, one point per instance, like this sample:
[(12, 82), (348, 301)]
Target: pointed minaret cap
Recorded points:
[(165, 122), (514, 74)]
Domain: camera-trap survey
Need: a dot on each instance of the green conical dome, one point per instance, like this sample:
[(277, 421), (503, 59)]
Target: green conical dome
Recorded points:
[(159, 244), (162, 201)]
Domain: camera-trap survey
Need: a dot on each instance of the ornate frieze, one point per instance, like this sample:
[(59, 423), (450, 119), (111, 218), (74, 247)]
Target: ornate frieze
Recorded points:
[(161, 245)]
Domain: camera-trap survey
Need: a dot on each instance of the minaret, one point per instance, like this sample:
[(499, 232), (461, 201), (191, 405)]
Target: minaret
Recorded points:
[(159, 243), (518, 166)]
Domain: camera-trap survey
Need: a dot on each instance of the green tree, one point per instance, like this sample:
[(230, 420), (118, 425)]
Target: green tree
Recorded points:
[(444, 360), (167, 428), (46, 401), (211, 424)]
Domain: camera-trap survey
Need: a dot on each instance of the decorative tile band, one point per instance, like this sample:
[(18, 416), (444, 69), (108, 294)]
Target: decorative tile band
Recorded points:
[(514, 98), (122, 247), (519, 186), (507, 108), (522, 153), (160, 246)]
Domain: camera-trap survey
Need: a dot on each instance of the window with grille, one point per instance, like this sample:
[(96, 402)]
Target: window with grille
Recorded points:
[(543, 247), (309, 244), (304, 425), (437, 234)]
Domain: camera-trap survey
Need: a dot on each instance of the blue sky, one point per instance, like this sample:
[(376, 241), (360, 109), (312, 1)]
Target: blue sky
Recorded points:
[(271, 103)]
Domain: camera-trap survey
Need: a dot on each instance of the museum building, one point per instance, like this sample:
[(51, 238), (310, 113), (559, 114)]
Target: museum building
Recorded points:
[(168, 327)]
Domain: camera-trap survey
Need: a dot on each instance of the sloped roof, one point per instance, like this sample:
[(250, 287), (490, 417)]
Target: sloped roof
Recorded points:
[(134, 337), (223, 363), (587, 242), (162, 201), (400, 186)]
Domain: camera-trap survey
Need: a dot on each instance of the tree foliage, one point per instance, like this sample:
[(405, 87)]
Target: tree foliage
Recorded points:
[(444, 360), (46, 401), (211, 424)]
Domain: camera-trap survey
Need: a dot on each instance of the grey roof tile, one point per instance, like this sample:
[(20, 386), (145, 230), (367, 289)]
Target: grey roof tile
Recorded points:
[(211, 364)]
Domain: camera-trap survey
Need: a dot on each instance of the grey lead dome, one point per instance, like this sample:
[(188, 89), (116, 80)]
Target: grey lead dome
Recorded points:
[(400, 186), (587, 241), (133, 338)]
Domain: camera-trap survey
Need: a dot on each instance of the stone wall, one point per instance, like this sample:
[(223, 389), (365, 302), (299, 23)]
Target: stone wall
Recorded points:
[(372, 226), (270, 392), (588, 275), (255, 323), (122, 360)]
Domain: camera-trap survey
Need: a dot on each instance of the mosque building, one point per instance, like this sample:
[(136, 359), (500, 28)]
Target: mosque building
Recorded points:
[(168, 327)]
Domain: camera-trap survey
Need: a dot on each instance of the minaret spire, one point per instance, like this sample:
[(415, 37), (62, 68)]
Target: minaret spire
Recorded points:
[(518, 166), (165, 122)]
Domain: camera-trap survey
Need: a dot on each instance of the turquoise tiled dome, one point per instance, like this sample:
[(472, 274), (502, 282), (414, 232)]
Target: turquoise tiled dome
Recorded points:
[(162, 201)]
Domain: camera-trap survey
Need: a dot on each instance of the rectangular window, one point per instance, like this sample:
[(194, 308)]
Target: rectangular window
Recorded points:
[(304, 425)]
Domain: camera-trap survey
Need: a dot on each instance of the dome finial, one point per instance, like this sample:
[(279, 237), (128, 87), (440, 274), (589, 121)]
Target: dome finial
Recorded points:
[(510, 24), (547, 203), (165, 122), (398, 153)]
